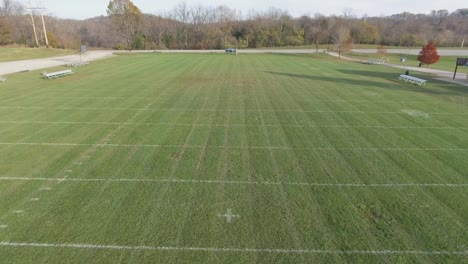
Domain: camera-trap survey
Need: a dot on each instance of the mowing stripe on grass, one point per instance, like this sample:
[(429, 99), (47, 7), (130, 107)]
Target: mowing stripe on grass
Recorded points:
[(225, 125), (221, 110), (175, 181), (235, 250), (222, 147)]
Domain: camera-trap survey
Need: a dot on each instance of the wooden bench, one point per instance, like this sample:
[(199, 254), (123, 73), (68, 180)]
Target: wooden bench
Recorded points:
[(57, 74), (412, 80)]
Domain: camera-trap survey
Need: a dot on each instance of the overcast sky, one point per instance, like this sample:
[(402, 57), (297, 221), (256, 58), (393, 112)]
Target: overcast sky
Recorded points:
[(80, 9)]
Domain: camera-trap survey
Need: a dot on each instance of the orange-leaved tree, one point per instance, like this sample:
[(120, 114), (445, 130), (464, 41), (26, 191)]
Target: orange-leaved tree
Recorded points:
[(428, 55)]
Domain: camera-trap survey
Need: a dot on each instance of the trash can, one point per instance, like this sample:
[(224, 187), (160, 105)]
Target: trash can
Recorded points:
[(407, 72)]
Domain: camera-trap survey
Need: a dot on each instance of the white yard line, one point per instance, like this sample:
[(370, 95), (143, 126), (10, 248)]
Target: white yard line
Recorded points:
[(218, 110), (221, 147), (176, 181), (81, 97), (225, 125), (232, 250)]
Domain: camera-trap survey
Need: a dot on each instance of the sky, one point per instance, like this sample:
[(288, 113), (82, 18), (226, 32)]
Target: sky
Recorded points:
[(90, 8)]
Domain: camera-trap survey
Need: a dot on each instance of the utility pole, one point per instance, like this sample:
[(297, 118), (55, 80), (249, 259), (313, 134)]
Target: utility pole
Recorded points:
[(33, 24), (43, 22)]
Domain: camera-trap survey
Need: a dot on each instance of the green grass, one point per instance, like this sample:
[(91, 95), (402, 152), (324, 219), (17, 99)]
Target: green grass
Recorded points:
[(14, 54), (155, 147)]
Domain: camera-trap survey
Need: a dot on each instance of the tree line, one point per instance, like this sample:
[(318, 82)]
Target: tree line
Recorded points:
[(201, 27)]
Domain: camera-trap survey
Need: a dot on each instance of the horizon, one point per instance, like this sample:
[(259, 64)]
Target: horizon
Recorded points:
[(86, 9)]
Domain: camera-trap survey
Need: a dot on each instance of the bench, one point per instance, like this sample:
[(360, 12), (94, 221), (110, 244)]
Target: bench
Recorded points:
[(57, 74), (373, 62), (412, 80), (78, 64)]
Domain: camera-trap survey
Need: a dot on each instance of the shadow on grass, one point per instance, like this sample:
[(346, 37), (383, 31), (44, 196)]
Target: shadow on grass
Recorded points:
[(329, 79), (443, 89)]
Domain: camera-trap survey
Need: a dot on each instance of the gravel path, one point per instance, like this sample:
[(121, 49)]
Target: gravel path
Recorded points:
[(442, 52), (38, 64)]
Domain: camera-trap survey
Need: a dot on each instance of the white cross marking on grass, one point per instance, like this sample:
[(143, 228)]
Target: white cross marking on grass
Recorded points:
[(34, 199), (3, 226), (18, 212), (229, 216)]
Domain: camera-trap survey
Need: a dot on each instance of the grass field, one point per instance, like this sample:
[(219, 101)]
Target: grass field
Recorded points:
[(185, 158), (14, 54)]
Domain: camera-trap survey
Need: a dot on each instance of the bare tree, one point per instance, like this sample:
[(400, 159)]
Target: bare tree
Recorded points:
[(341, 39)]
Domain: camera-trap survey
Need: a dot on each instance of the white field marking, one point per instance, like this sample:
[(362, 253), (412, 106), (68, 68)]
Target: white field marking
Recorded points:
[(218, 110), (3, 226), (35, 199), (82, 97), (416, 113), (306, 184), (232, 125), (69, 171), (239, 98), (78, 163), (235, 250), (46, 189), (18, 212), (229, 216), (222, 147)]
